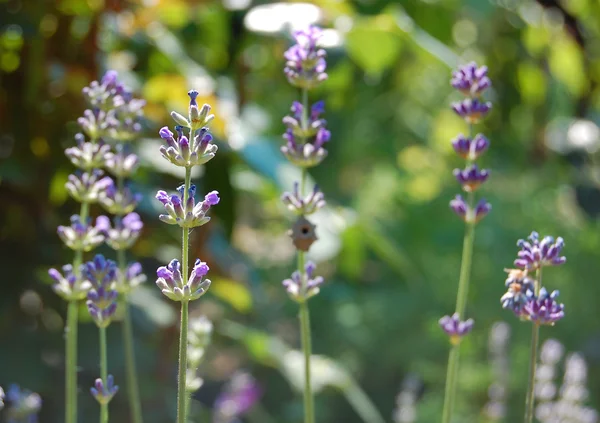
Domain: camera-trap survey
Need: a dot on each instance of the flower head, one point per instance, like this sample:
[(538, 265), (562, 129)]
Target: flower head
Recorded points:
[(101, 298), (133, 277), (181, 152), (82, 236), (472, 110), (119, 201), (470, 79), (456, 328), (88, 155), (305, 61), (86, 187), (104, 392), (471, 177), (520, 289), (23, 406), (171, 282), (125, 231), (121, 163), (68, 285), (468, 214), (544, 309), (237, 398), (301, 287), (470, 149), (314, 122), (186, 214), (536, 253), (306, 153), (306, 205)]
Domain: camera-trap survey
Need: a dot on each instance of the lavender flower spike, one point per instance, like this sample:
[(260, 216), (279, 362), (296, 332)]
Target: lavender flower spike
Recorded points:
[(104, 392), (87, 187), (82, 236), (314, 201), (535, 253), (455, 328), (190, 214), (303, 153), (102, 298), (88, 155), (119, 201), (125, 231), (471, 80), (181, 152), (67, 285), (466, 213), (471, 177), (302, 287), (305, 66), (544, 309), (170, 281)]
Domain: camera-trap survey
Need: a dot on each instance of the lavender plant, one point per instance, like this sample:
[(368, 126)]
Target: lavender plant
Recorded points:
[(237, 398), (472, 81), (529, 300), (119, 199), (175, 280), (305, 136), (23, 405)]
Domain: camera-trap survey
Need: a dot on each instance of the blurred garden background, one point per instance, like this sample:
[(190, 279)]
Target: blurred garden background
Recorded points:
[(389, 246)]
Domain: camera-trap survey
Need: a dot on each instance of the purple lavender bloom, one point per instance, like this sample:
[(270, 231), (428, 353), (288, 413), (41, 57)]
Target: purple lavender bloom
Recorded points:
[(98, 123), (88, 155), (121, 163), (314, 201), (462, 209), (181, 152), (104, 392), (544, 309), (470, 79), (68, 285), (520, 289), (100, 272), (82, 236), (535, 253), (125, 231), (86, 187), (306, 154), (470, 149), (471, 177), (119, 201), (455, 328), (472, 110), (102, 298), (314, 121), (23, 406), (170, 281), (305, 66), (237, 398), (301, 287), (190, 214), (134, 276)]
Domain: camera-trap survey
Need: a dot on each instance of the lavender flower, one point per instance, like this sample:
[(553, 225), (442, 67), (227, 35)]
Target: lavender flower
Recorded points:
[(119, 201), (82, 236), (520, 288), (104, 392), (472, 110), (307, 153), (170, 281), (88, 155), (314, 122), (456, 328), (237, 398), (544, 309), (305, 66), (190, 214), (535, 253), (197, 118), (134, 276), (97, 123), (470, 149), (102, 298), (121, 163), (301, 287), (471, 177), (466, 213), (471, 80), (86, 187), (125, 231), (306, 205), (68, 285), (181, 152), (24, 405)]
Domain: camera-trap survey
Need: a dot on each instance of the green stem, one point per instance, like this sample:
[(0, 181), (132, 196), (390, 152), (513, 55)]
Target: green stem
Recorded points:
[(535, 340), (71, 337), (183, 333), (103, 373)]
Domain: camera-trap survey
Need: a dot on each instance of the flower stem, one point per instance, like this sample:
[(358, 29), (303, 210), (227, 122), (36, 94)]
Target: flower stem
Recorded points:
[(103, 373), (181, 388), (535, 340)]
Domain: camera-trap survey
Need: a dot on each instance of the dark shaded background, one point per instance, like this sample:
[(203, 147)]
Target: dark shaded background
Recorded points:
[(389, 246)]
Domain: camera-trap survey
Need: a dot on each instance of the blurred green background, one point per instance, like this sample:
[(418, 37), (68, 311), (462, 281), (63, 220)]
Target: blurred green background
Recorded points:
[(389, 247)]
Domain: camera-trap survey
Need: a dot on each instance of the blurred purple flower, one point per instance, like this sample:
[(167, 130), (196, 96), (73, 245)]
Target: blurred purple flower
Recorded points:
[(470, 149), (104, 392), (470, 79), (472, 110), (119, 201), (301, 287), (535, 253), (471, 177), (121, 163), (68, 285), (520, 289), (462, 209), (305, 61), (82, 236), (303, 153), (237, 398), (544, 309), (86, 187), (88, 155), (312, 202), (456, 328), (23, 405), (125, 231)]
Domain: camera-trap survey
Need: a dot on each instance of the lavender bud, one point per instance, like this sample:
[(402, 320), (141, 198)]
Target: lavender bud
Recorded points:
[(471, 177), (125, 231), (305, 62), (470, 149), (456, 328), (121, 163), (119, 201), (170, 281), (86, 187), (188, 214), (472, 110), (68, 285), (544, 309), (104, 392), (312, 202), (301, 287), (181, 152), (88, 155), (82, 236), (535, 254), (471, 80), (520, 286)]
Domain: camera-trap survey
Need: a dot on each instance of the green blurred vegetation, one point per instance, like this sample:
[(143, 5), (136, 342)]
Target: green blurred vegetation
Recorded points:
[(389, 246)]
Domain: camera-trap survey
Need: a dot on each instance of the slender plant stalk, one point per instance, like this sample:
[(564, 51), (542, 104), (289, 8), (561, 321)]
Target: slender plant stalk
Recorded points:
[(103, 373), (133, 392), (309, 411), (535, 340), (71, 337), (461, 305), (181, 388)]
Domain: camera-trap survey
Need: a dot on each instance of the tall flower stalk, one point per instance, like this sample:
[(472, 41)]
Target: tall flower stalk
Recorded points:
[(529, 299), (120, 200), (175, 280), (305, 137), (471, 81)]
